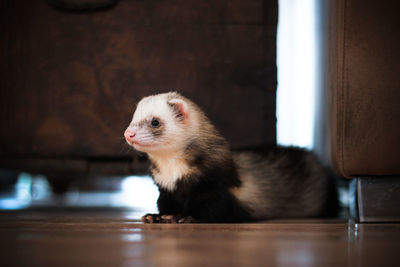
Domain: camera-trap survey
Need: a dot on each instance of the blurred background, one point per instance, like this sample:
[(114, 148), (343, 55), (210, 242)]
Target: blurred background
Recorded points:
[(73, 70)]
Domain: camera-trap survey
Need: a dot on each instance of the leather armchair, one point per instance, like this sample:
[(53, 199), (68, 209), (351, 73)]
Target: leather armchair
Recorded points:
[(363, 98)]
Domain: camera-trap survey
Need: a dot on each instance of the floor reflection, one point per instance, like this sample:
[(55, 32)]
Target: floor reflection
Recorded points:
[(32, 191)]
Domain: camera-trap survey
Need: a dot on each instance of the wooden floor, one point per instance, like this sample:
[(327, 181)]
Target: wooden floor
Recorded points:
[(71, 238)]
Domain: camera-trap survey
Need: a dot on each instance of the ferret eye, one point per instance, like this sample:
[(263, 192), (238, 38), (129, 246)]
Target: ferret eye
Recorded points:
[(155, 123)]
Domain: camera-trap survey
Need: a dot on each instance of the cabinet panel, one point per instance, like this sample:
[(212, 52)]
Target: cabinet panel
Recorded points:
[(71, 80)]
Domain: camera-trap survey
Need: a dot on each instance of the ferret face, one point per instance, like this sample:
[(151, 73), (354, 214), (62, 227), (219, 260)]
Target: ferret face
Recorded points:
[(159, 124)]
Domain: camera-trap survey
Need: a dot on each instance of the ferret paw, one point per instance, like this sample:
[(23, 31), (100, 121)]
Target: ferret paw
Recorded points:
[(158, 218), (169, 219), (176, 219), (151, 218), (187, 219)]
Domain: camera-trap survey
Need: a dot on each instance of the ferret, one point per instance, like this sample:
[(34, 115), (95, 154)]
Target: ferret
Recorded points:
[(201, 179)]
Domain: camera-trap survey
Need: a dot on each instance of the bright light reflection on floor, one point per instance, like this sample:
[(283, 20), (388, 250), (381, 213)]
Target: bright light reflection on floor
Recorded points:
[(139, 191), (21, 197)]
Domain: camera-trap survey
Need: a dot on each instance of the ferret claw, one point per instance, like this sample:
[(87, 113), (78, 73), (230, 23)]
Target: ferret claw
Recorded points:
[(157, 218), (168, 219), (151, 218), (187, 219)]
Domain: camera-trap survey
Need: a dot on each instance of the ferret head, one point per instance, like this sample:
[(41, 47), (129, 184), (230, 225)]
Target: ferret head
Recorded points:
[(161, 123)]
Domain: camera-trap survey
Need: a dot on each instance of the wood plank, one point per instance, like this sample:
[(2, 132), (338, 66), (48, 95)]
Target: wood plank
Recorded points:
[(107, 238)]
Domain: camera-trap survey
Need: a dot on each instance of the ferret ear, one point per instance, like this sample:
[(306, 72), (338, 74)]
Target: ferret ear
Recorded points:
[(180, 108)]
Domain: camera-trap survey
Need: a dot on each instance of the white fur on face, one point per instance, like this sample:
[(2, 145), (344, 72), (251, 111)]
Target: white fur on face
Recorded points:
[(152, 106), (173, 132), (165, 150)]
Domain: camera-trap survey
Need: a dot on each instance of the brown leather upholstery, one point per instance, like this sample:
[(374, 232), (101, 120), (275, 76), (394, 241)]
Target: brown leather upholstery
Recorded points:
[(364, 87)]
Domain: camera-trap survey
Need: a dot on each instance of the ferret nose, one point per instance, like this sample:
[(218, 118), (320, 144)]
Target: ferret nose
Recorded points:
[(129, 134)]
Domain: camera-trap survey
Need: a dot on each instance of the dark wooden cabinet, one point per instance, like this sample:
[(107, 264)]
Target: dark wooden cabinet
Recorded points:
[(70, 80)]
